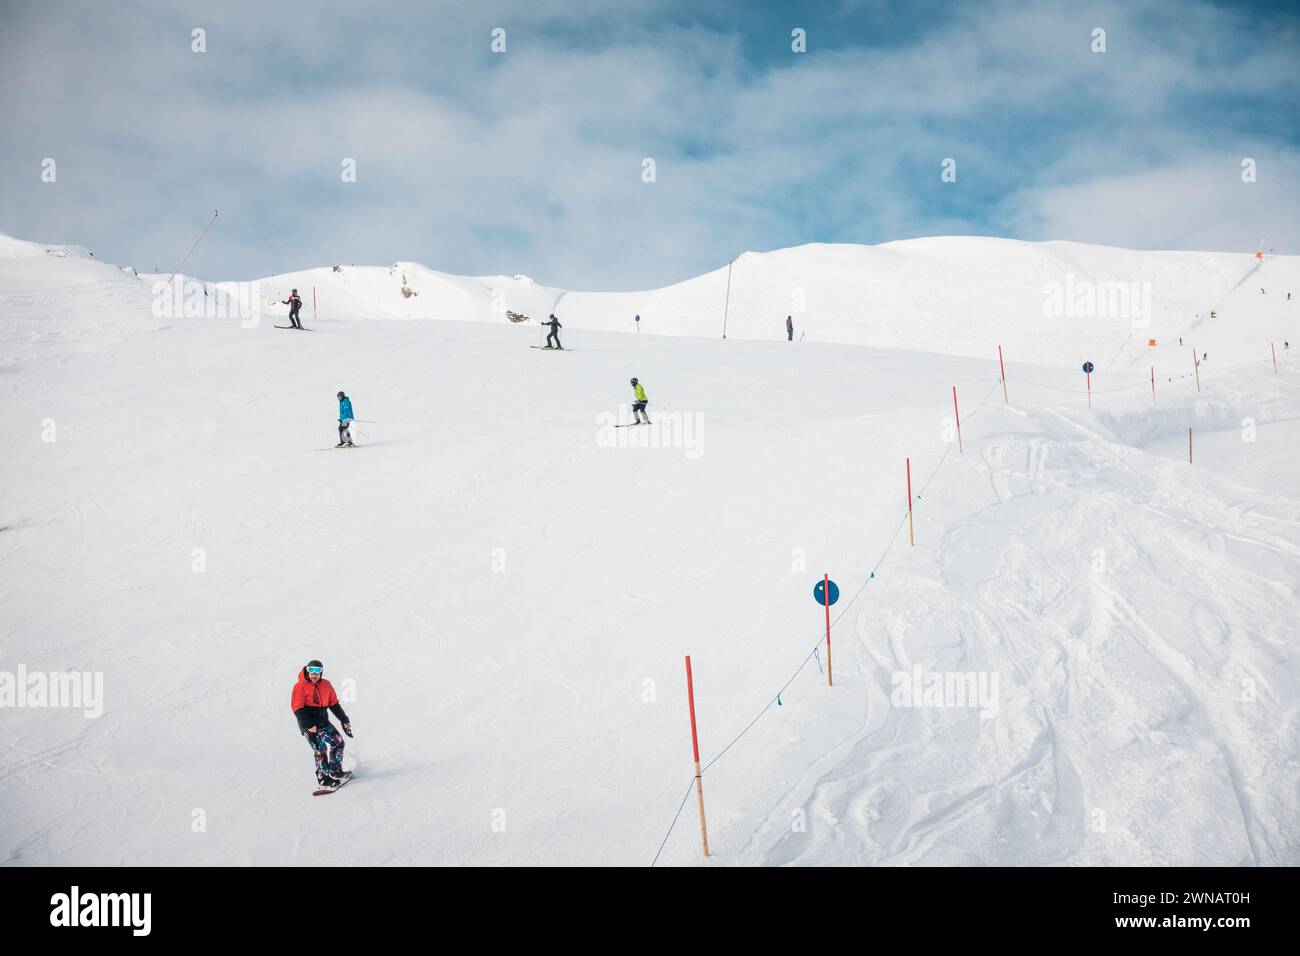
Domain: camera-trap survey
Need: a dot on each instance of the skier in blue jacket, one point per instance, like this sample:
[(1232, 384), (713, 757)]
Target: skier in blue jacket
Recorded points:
[(345, 420)]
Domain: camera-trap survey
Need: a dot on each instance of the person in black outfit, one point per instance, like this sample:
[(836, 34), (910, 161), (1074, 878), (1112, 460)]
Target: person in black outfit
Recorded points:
[(789, 328), (294, 303), (555, 334)]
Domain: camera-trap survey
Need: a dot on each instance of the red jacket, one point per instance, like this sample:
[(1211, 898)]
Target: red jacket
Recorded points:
[(311, 700)]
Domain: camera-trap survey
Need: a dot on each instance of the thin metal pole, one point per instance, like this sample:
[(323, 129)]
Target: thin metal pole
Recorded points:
[(192, 248), (727, 304)]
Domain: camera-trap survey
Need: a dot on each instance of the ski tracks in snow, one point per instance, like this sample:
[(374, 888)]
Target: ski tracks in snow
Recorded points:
[(1119, 738)]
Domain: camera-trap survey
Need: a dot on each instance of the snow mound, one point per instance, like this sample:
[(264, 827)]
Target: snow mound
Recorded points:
[(11, 248)]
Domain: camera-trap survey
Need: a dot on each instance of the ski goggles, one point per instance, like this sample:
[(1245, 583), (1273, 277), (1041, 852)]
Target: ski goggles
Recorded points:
[(315, 670)]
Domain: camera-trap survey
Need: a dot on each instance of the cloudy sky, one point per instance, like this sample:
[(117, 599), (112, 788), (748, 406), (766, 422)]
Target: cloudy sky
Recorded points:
[(530, 161)]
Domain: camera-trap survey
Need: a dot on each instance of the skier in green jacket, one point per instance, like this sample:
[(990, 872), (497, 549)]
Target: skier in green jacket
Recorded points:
[(638, 406)]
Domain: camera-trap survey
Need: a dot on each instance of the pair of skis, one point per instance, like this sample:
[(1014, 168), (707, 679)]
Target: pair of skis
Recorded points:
[(298, 328)]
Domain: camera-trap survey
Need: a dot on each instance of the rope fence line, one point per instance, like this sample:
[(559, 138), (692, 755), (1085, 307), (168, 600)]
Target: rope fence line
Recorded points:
[(1143, 383), (686, 796), (775, 699), (1126, 341), (813, 651)]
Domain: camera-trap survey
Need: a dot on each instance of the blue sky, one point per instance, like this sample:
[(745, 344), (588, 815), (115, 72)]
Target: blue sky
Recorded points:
[(530, 161)]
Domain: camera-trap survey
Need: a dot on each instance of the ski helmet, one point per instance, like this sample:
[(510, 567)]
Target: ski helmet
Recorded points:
[(293, 290), (314, 667), (633, 381), (340, 395)]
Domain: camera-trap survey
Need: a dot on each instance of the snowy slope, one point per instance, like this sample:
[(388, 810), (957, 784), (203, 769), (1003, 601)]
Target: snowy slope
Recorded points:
[(371, 292), (957, 296), (506, 597)]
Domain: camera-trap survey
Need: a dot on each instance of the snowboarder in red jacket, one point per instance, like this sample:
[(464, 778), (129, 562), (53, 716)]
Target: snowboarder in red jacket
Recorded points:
[(313, 695)]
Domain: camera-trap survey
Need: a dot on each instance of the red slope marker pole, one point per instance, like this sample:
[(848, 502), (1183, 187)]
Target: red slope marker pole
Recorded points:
[(1196, 367), (1088, 375), (1004, 377), (695, 748), (911, 535), (313, 305), (1153, 384), (1189, 446), (957, 415), (826, 596), (1273, 348)]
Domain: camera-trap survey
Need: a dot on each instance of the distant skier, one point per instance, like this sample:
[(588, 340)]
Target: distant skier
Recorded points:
[(555, 326), (312, 696), (345, 421), (1204, 356), (638, 406), (294, 302), (1213, 314), (789, 328)]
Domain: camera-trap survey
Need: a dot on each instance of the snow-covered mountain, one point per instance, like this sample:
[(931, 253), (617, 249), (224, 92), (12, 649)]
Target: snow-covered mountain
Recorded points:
[(503, 586), (1047, 303)]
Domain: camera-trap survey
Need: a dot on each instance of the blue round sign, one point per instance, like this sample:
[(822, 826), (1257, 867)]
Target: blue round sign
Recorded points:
[(820, 597), (1088, 367)]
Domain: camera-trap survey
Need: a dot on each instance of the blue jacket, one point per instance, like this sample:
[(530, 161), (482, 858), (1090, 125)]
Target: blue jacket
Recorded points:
[(345, 409)]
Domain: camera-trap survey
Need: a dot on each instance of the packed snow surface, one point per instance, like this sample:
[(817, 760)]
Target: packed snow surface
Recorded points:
[(503, 586)]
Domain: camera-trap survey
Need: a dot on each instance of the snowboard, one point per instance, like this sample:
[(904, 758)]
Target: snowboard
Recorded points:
[(322, 791), (630, 424)]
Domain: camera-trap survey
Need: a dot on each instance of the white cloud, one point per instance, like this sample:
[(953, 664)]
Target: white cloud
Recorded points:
[(530, 162), (1200, 203)]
